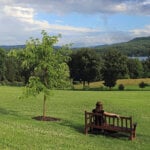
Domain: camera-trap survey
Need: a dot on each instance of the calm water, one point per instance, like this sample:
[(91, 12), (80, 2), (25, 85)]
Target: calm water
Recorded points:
[(140, 58)]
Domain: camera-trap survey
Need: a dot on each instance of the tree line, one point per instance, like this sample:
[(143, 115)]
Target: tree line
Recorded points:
[(85, 65)]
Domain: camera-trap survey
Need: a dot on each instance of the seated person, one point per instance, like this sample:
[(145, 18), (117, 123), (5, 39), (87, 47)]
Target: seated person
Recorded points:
[(99, 120)]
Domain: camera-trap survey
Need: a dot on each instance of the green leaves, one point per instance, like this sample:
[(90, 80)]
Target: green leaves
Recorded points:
[(48, 67), (34, 87), (85, 65), (114, 67)]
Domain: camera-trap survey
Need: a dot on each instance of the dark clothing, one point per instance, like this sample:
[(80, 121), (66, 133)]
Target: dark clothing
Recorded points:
[(98, 119)]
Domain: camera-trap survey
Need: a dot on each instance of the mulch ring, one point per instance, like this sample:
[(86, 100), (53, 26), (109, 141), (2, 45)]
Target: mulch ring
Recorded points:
[(47, 118)]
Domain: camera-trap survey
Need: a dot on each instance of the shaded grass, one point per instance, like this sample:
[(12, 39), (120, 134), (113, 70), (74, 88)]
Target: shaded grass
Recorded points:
[(20, 132)]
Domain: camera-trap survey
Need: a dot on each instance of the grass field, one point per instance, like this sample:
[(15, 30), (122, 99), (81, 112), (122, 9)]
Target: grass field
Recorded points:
[(129, 84), (18, 131)]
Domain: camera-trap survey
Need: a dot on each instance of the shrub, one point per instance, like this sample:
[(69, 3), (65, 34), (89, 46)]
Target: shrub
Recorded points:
[(86, 88), (101, 88), (142, 85), (121, 87)]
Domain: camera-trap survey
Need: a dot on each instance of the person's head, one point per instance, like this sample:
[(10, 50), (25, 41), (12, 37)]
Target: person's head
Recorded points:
[(99, 105)]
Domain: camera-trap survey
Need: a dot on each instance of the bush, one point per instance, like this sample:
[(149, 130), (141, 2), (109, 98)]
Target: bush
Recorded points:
[(142, 85), (121, 87), (101, 88), (86, 88)]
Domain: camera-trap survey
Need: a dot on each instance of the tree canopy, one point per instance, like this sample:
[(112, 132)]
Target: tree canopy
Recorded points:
[(135, 68), (114, 67), (85, 65)]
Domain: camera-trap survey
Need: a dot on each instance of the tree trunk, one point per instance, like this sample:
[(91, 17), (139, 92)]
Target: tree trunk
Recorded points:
[(83, 84), (44, 107)]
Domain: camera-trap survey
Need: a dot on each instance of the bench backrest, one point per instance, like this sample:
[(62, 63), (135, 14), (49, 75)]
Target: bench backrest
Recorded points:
[(124, 122)]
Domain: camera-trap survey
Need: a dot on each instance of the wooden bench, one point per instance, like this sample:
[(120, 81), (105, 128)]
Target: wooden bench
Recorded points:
[(110, 123)]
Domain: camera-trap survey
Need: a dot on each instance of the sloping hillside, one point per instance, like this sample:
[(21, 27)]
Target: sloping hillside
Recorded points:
[(136, 47)]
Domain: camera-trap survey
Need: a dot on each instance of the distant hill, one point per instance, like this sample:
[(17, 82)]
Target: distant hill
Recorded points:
[(136, 47), (140, 39), (9, 47)]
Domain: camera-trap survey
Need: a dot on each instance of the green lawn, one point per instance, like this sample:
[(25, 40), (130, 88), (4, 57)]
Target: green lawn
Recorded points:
[(18, 131)]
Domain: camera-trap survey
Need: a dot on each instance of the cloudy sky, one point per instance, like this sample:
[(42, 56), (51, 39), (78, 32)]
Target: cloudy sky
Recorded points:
[(81, 22)]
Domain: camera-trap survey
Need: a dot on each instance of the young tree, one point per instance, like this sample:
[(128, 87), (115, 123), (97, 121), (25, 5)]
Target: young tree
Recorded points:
[(50, 68), (114, 67)]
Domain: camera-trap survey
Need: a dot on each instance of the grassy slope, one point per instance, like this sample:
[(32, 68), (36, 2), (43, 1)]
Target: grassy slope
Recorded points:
[(19, 132)]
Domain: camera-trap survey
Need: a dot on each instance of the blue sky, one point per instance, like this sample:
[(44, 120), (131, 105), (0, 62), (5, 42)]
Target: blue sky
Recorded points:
[(81, 22)]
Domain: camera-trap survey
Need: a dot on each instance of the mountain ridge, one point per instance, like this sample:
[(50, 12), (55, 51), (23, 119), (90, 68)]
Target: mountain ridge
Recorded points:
[(139, 46)]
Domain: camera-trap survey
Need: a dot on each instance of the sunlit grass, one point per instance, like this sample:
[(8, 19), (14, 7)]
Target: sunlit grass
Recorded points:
[(133, 81), (18, 131), (129, 84)]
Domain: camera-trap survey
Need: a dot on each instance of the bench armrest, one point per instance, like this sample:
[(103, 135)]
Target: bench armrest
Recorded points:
[(134, 125)]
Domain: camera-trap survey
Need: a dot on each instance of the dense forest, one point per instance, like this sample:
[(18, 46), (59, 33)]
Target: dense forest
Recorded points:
[(85, 65)]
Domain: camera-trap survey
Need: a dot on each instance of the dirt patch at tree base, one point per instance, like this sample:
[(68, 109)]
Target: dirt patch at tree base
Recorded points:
[(47, 118)]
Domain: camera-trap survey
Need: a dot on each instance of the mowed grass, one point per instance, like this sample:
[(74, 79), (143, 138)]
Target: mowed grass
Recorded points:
[(18, 131)]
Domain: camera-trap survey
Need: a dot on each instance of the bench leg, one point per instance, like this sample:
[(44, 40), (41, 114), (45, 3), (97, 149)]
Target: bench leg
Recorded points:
[(86, 130), (132, 135)]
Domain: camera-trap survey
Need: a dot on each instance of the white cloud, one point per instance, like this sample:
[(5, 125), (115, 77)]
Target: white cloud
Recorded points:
[(146, 2), (141, 32), (88, 6), (21, 13), (26, 15), (98, 38), (18, 23), (120, 7)]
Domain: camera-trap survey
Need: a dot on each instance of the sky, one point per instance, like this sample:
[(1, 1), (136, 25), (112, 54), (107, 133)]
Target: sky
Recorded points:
[(80, 22)]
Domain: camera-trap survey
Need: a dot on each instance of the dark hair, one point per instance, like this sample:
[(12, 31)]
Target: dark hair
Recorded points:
[(99, 103)]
